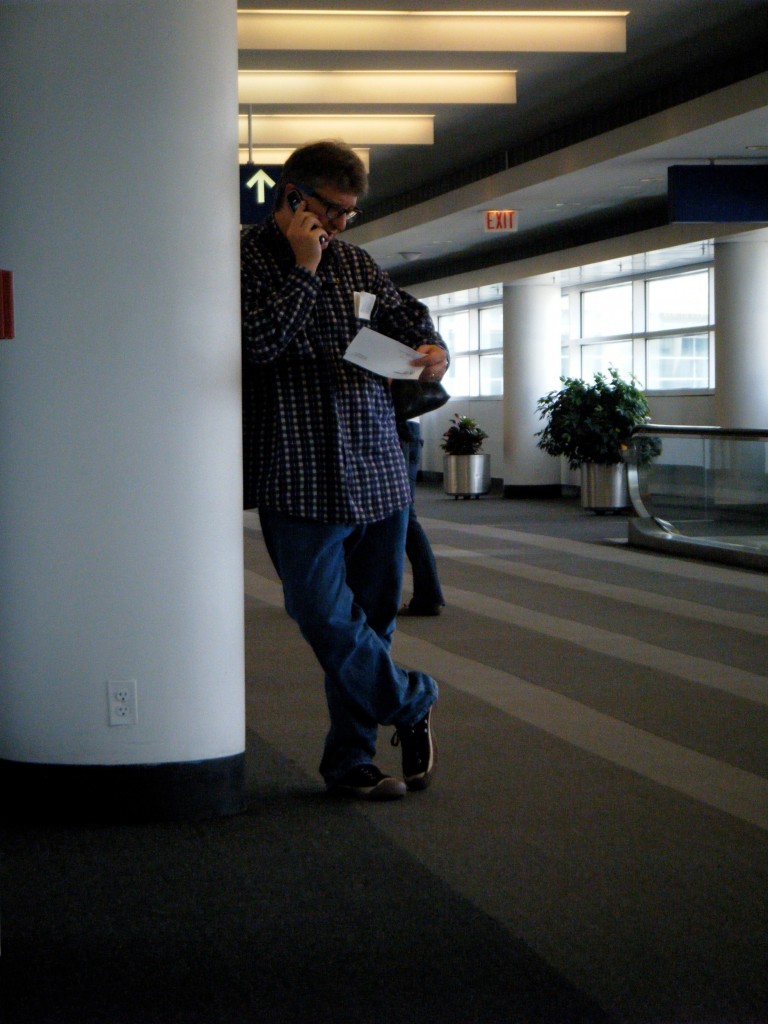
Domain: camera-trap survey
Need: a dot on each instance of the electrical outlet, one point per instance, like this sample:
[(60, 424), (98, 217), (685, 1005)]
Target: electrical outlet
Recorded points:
[(122, 702)]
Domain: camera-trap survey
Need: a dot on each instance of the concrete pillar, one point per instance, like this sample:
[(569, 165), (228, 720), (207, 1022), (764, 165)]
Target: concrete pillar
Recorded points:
[(531, 368), (741, 315), (120, 507)]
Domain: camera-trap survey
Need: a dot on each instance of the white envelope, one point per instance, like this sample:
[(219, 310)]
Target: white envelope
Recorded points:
[(380, 354)]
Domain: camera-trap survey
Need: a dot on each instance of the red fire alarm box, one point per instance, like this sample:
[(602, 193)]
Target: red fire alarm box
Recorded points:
[(6, 304)]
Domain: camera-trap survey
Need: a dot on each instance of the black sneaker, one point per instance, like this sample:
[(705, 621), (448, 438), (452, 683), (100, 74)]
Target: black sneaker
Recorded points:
[(367, 782), (418, 749)]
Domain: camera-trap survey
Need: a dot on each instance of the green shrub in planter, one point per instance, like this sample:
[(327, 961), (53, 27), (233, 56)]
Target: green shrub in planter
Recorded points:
[(593, 422)]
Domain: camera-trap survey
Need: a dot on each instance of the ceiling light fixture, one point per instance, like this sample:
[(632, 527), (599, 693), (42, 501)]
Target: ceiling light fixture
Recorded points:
[(356, 129), (478, 31), (309, 87)]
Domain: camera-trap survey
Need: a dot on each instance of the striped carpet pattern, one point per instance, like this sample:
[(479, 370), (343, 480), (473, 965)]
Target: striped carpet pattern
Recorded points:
[(593, 849), (602, 791)]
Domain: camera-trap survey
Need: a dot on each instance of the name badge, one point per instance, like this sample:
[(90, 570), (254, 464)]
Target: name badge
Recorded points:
[(364, 303)]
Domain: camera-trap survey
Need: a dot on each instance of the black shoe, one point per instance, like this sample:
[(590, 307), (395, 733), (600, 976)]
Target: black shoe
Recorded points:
[(411, 610), (418, 749), (368, 783)]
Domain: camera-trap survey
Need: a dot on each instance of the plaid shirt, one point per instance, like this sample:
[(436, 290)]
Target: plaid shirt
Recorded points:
[(320, 440)]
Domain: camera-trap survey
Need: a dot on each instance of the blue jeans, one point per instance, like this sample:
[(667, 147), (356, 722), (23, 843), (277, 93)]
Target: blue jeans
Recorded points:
[(342, 585)]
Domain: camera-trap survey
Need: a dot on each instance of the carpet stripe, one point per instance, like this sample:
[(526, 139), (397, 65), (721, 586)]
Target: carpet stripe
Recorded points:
[(627, 595), (611, 552), (713, 674)]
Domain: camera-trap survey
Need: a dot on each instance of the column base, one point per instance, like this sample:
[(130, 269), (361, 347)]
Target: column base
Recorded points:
[(122, 793)]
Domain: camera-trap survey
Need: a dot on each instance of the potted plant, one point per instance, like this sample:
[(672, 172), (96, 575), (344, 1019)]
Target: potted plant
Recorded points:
[(466, 469), (590, 424)]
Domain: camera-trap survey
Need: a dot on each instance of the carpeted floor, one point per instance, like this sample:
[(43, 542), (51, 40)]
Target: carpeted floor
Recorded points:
[(594, 847), (300, 910)]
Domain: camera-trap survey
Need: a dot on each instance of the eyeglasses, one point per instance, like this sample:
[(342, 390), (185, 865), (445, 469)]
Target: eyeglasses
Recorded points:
[(332, 211)]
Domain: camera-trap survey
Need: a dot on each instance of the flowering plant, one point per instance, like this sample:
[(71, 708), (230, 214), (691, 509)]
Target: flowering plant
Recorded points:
[(464, 437)]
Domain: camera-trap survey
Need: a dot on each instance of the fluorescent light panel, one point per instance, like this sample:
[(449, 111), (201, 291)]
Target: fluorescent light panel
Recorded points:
[(355, 129), (378, 87), (276, 157), (484, 31)]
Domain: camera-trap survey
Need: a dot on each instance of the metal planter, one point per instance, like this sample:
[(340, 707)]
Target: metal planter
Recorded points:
[(604, 488), (467, 476)]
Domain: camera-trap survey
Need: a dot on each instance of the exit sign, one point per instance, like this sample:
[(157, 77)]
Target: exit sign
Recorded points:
[(500, 220)]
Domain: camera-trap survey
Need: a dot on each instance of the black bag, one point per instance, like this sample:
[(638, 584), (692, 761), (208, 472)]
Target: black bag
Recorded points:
[(414, 398)]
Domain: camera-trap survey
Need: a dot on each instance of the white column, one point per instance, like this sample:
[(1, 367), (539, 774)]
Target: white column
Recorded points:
[(120, 436), (531, 368), (741, 315)]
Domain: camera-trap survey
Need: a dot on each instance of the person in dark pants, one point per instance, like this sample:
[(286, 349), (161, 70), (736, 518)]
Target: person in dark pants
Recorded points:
[(323, 464), (427, 595)]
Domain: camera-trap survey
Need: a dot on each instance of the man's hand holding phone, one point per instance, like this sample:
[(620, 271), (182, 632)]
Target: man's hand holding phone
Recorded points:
[(305, 232)]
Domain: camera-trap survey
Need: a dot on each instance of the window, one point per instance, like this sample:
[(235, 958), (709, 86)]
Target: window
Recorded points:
[(491, 350), (492, 327), (606, 312), (675, 302), (454, 329), (599, 358), (657, 328), (474, 335), (680, 361), (675, 359)]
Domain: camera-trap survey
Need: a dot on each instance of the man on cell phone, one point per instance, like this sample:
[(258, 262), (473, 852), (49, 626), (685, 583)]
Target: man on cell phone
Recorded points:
[(323, 464)]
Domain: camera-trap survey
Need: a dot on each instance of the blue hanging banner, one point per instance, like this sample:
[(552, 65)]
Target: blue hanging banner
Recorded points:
[(257, 185)]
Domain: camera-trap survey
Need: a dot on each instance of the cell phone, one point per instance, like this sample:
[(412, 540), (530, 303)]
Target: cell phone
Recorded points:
[(295, 200)]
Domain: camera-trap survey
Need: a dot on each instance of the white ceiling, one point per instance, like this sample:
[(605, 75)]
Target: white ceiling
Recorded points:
[(586, 147)]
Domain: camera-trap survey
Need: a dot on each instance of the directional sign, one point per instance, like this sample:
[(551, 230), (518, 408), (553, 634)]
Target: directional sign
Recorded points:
[(257, 185), (718, 193), (500, 220)]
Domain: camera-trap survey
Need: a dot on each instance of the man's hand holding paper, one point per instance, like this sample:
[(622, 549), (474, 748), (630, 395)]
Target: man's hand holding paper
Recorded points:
[(389, 358), (382, 355)]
